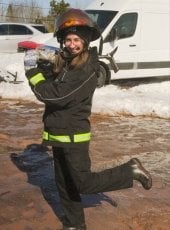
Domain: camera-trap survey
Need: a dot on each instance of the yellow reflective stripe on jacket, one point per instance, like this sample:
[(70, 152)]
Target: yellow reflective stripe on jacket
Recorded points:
[(36, 78), (77, 138), (82, 137)]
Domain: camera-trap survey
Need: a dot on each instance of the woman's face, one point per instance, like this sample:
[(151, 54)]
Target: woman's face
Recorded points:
[(74, 43)]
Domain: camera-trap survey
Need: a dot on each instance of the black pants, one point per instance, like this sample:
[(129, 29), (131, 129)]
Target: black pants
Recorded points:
[(74, 177)]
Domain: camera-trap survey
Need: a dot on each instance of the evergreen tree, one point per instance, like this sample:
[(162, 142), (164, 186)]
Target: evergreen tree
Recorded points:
[(9, 14), (55, 9)]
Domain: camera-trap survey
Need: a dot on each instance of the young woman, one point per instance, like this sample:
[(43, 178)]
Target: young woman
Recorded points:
[(68, 98)]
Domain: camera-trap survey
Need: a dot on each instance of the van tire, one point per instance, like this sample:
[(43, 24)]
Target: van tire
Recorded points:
[(104, 75)]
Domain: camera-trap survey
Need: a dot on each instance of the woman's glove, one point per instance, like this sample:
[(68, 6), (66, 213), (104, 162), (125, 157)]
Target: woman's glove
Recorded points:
[(35, 76)]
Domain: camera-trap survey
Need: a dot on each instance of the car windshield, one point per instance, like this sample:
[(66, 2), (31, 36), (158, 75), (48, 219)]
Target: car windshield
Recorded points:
[(101, 17)]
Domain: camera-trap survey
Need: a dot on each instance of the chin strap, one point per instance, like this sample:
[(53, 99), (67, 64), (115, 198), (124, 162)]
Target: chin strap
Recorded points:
[(66, 55)]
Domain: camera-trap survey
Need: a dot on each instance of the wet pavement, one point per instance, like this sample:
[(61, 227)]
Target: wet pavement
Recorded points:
[(28, 195)]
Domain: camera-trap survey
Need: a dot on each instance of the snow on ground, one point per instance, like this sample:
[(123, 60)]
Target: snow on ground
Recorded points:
[(151, 99)]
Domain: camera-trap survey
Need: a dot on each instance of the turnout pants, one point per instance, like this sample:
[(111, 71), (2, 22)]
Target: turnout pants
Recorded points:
[(74, 177)]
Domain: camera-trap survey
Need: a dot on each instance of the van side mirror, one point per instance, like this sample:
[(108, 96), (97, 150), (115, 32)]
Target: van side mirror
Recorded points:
[(111, 37), (101, 46), (113, 34)]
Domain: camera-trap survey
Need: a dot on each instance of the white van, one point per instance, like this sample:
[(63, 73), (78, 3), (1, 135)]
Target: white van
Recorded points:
[(143, 36)]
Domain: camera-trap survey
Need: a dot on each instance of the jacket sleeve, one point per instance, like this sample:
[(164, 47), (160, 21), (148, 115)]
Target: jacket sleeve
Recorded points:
[(73, 87)]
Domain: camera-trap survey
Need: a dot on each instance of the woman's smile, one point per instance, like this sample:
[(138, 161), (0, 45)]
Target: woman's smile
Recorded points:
[(74, 43)]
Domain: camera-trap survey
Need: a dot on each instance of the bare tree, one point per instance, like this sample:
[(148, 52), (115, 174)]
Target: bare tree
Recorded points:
[(3, 8), (27, 11)]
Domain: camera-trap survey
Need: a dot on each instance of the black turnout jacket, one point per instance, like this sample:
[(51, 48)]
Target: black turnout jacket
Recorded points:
[(68, 101)]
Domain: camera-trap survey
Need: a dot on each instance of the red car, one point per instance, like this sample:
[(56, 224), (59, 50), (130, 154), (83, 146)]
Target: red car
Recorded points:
[(46, 41)]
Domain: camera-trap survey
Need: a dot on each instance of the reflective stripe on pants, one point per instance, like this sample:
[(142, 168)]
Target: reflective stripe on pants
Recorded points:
[(77, 138)]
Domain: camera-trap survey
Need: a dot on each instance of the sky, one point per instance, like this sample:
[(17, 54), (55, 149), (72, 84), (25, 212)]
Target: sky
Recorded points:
[(151, 99)]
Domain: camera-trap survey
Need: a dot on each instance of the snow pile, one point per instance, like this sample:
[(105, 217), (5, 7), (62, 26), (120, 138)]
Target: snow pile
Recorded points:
[(151, 99)]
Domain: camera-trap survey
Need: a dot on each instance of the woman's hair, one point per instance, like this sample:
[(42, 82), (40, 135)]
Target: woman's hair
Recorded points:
[(61, 61), (79, 60), (58, 63)]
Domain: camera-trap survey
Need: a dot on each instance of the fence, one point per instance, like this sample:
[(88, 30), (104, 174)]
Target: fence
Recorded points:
[(24, 13)]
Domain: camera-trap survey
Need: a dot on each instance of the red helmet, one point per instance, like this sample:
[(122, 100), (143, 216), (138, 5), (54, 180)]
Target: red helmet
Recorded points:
[(78, 22)]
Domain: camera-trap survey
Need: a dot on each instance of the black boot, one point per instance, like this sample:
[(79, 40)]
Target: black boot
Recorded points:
[(82, 227), (140, 174)]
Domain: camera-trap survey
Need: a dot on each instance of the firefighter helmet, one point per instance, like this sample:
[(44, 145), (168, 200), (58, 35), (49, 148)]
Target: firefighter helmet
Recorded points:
[(78, 22)]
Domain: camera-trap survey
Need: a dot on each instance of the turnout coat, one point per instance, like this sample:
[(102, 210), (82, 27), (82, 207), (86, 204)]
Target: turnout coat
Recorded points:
[(68, 101)]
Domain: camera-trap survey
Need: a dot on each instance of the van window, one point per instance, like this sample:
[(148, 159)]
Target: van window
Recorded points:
[(19, 30), (125, 26), (101, 17)]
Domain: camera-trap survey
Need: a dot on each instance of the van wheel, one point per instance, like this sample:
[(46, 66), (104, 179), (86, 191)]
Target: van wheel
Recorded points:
[(104, 75)]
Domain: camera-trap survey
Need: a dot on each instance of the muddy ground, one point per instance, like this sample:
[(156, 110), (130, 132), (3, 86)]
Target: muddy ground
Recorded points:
[(28, 196)]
